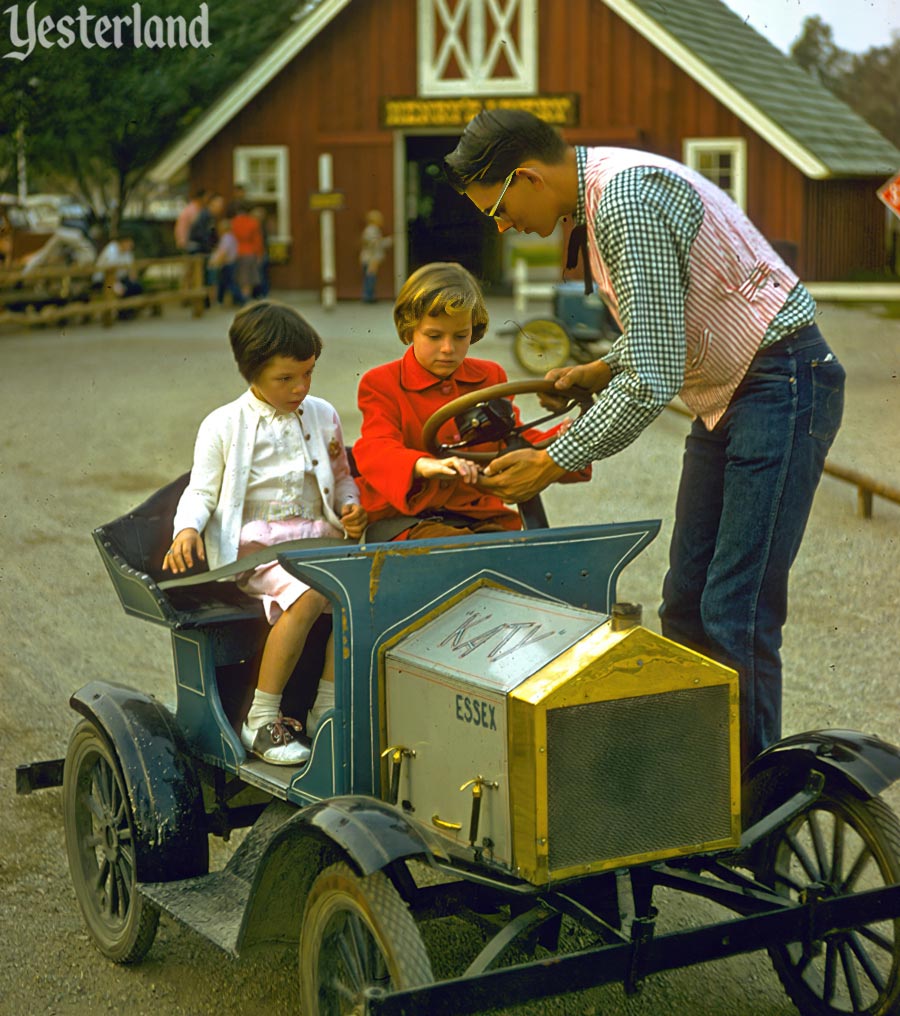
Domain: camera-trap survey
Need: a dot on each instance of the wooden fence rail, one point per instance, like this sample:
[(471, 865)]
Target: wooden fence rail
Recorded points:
[(47, 295)]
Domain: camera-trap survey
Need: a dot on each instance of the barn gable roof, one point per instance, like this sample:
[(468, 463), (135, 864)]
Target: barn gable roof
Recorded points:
[(313, 16), (784, 104), (775, 97)]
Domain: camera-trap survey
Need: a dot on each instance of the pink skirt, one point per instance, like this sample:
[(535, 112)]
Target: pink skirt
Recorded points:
[(277, 588)]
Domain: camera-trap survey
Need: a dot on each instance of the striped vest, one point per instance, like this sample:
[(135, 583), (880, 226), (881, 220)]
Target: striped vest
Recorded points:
[(737, 283)]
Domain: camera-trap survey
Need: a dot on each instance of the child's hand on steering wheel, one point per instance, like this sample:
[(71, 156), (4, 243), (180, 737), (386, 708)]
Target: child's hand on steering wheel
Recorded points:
[(467, 471)]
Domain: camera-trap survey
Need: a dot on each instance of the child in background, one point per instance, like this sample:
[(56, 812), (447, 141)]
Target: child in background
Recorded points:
[(223, 259), (371, 253), (439, 313), (248, 234), (262, 290), (268, 468)]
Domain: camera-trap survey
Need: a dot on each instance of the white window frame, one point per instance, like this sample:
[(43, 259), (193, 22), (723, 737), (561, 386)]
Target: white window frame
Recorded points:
[(474, 54), (241, 161), (735, 147)]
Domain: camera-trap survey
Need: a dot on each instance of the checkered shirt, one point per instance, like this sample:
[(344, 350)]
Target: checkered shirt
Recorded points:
[(646, 221)]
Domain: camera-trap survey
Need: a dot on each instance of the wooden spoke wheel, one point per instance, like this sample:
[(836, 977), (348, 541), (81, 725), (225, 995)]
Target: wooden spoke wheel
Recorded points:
[(842, 844), (357, 933), (101, 847), (541, 345)]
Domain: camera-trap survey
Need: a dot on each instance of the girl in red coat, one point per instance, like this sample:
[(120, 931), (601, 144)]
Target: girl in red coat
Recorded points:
[(439, 313)]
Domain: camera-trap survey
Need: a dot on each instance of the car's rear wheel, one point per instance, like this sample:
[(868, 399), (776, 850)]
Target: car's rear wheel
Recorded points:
[(357, 933), (101, 845), (842, 844)]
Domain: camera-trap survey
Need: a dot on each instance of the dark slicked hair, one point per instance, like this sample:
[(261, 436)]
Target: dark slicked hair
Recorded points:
[(496, 142), (268, 328)]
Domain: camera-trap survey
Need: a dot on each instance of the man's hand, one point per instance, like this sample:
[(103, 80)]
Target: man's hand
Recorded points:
[(354, 519), (426, 468), (594, 376), (519, 475)]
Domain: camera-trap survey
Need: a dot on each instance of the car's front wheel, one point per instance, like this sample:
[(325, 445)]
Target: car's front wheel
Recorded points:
[(357, 933)]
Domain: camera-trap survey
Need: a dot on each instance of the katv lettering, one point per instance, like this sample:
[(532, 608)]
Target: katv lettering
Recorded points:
[(507, 637)]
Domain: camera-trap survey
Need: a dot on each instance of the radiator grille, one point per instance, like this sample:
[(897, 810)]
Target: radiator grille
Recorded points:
[(637, 776)]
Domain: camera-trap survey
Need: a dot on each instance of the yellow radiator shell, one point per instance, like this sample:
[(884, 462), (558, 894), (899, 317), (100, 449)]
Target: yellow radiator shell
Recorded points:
[(604, 666)]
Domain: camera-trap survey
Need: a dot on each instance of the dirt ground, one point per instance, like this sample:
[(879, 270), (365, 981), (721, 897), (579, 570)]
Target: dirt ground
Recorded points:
[(94, 420)]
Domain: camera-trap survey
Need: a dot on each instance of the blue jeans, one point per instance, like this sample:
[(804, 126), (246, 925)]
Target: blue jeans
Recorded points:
[(744, 498), (368, 289), (227, 283)]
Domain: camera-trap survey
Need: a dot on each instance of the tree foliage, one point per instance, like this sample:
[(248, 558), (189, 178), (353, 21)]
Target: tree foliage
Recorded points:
[(868, 82), (94, 120)]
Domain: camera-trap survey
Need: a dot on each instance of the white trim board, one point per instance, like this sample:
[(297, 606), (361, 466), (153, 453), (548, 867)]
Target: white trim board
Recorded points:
[(250, 84), (727, 94)]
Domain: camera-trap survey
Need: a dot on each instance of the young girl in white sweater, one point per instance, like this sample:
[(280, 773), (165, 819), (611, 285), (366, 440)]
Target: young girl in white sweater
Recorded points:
[(268, 468)]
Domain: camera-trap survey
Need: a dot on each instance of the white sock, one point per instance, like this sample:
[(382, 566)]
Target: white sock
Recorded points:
[(263, 710), (324, 702)]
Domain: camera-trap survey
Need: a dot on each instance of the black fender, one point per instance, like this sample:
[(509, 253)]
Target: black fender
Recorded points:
[(868, 763), (372, 833), (163, 788), (862, 763), (369, 833)]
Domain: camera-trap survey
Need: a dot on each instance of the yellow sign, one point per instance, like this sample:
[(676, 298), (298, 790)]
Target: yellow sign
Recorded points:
[(320, 201), (561, 110)]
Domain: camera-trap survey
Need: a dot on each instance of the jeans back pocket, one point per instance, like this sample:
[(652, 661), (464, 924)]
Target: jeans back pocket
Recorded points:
[(827, 399)]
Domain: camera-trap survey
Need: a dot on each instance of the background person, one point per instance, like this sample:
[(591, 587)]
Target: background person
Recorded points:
[(6, 240), (248, 234), (118, 254), (262, 290), (67, 246), (708, 311), (203, 237), (186, 217), (372, 244), (238, 200), (223, 259)]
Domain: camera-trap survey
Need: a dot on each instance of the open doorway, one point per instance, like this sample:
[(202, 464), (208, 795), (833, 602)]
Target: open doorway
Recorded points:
[(441, 224)]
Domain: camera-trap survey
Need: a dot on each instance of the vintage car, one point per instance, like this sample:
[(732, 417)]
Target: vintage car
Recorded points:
[(581, 328), (509, 746)]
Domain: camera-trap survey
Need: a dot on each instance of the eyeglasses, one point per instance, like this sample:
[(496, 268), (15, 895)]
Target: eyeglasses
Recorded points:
[(492, 214)]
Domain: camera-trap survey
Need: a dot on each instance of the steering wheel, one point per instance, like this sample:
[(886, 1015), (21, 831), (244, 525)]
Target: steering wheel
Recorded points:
[(484, 419)]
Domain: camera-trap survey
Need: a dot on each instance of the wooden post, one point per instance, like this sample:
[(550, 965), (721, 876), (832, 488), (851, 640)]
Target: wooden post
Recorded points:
[(198, 281), (110, 311), (326, 220)]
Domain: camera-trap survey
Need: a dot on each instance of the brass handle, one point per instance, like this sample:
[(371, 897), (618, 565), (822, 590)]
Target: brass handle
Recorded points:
[(441, 824), (477, 786), (397, 753), (478, 783)]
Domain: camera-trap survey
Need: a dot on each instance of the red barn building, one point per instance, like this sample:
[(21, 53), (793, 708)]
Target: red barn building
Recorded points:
[(382, 89)]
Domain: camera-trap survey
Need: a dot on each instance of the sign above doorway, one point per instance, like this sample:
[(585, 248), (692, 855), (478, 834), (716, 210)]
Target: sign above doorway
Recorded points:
[(561, 110)]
